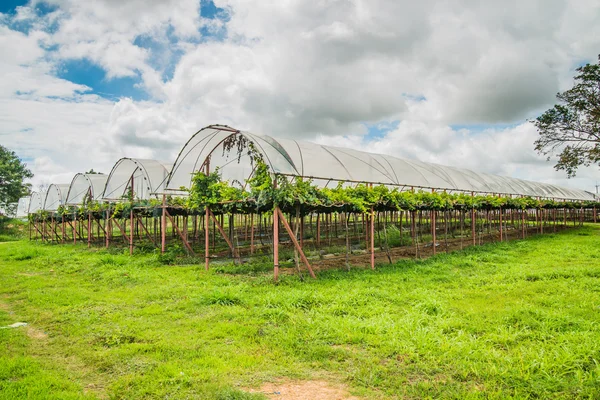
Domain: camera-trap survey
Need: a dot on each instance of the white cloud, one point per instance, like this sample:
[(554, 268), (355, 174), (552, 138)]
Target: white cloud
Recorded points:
[(290, 69)]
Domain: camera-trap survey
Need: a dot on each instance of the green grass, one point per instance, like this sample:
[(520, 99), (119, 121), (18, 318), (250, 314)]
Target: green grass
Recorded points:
[(508, 320), (12, 229)]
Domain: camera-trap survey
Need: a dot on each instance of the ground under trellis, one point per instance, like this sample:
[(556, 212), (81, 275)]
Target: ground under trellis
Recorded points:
[(339, 239)]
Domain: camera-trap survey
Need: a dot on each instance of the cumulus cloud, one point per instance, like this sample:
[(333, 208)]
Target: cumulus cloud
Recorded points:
[(325, 71)]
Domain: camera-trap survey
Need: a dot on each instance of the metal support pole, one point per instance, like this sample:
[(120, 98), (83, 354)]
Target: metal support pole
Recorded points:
[(372, 221), (74, 227), (252, 233), (276, 243), (501, 236), (89, 229), (206, 238), (318, 230), (131, 231), (107, 226), (163, 224)]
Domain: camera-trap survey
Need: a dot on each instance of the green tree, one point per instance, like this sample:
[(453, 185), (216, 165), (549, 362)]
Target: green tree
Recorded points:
[(13, 173), (571, 129), (92, 172)]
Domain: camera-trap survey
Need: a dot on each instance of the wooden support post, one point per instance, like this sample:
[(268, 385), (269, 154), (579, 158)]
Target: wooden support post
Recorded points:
[(141, 223), (163, 225), (276, 243), (122, 230), (107, 226), (37, 228), (183, 239), (433, 215), (318, 230), (473, 216), (252, 233), (227, 239), (89, 230), (295, 241), (206, 237), (372, 218), (302, 231), (501, 236), (131, 232)]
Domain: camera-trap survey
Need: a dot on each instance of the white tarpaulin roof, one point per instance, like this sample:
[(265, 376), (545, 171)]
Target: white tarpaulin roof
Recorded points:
[(36, 202), (83, 185), (23, 207), (55, 196), (147, 176), (324, 163)]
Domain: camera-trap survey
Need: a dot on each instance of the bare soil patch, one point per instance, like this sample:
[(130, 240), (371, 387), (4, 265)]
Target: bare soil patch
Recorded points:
[(4, 307), (35, 333), (305, 390)]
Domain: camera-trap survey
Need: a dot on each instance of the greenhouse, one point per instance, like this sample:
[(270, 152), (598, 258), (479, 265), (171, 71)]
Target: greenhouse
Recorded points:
[(56, 196), (36, 202), (324, 164), (86, 187), (23, 207), (142, 178), (234, 196)]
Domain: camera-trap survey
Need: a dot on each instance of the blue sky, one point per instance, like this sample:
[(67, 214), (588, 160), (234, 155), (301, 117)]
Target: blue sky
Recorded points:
[(84, 71), (87, 82)]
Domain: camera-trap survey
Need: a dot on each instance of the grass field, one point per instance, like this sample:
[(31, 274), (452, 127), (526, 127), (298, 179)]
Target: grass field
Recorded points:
[(510, 320)]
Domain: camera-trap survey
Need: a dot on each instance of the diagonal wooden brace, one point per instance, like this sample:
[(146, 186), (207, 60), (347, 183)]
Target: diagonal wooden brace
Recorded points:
[(125, 237), (74, 230), (222, 231), (99, 225), (38, 229), (295, 241), (185, 242), (139, 219)]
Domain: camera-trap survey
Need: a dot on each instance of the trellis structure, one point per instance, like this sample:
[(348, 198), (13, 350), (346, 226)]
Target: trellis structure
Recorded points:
[(143, 203)]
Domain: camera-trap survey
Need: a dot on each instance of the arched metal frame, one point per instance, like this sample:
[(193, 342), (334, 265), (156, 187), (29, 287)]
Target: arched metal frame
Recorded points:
[(36, 202), (90, 186), (148, 176), (56, 196), (23, 207), (324, 164)]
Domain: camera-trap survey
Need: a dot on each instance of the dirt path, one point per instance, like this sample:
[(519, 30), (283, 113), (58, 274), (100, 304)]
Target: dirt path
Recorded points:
[(305, 390)]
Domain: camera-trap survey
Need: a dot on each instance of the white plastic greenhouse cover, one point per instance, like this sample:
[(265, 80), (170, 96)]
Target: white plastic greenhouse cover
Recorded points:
[(82, 184), (36, 202), (23, 207), (56, 196), (149, 177), (325, 163)]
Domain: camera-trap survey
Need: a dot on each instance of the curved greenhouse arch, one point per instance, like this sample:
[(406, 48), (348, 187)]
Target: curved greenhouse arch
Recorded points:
[(36, 202), (23, 207), (86, 186), (324, 164), (144, 177), (56, 196)]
